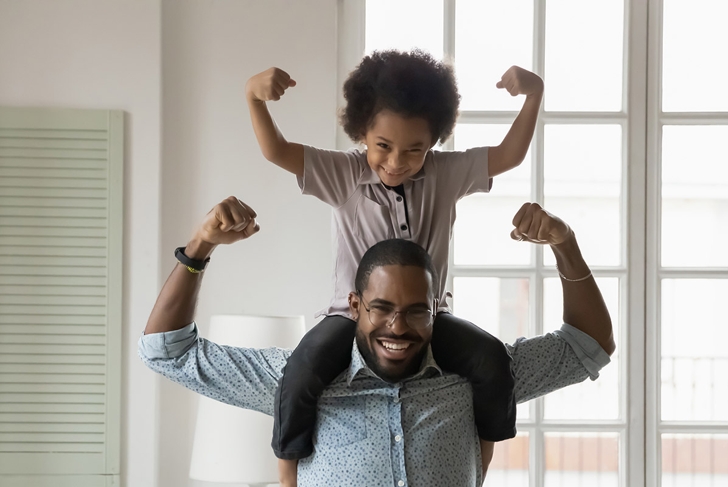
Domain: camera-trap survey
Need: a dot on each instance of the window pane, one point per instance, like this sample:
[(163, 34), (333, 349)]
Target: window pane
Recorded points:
[(510, 463), (499, 306), (584, 55), (694, 356), (694, 196), (581, 459), (582, 185), (405, 24), (694, 37), (694, 460), (484, 223), (482, 56), (597, 399)]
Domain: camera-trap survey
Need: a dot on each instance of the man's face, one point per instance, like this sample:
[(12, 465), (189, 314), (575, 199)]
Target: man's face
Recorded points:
[(394, 352)]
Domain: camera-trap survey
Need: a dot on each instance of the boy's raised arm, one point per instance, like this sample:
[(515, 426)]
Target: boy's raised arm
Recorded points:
[(511, 152), (266, 86)]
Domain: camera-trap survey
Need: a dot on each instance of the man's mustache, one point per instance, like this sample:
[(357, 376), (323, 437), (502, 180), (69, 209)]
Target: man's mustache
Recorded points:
[(412, 337)]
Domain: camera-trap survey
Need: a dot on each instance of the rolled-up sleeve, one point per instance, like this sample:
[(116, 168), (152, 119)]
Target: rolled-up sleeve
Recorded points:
[(555, 360), (243, 377)]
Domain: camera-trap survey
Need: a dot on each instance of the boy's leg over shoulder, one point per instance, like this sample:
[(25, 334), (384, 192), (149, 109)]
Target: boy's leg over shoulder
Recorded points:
[(465, 349), (323, 353)]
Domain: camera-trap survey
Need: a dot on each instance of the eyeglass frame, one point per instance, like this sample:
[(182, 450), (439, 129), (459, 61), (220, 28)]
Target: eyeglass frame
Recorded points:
[(432, 312)]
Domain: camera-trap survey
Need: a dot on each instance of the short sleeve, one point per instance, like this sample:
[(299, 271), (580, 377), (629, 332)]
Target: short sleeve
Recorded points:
[(331, 176), (463, 172)]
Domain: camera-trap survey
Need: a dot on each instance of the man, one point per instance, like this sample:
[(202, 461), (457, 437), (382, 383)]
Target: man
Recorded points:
[(394, 418)]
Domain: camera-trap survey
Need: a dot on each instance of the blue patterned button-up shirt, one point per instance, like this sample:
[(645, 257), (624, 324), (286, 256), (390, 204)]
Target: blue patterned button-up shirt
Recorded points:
[(418, 432)]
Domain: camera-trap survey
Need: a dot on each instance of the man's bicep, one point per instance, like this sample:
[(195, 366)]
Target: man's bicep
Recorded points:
[(544, 364), (242, 377)]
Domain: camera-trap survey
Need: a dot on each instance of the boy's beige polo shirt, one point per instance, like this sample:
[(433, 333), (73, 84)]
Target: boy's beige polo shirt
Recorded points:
[(366, 212)]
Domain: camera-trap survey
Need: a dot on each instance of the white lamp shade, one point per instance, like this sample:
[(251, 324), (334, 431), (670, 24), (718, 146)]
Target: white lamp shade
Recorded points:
[(233, 444)]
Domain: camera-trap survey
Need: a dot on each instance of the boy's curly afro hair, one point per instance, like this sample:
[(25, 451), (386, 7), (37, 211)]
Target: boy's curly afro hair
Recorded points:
[(411, 84)]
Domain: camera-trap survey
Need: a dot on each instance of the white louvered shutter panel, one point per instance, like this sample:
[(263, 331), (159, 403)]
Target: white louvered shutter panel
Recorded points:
[(61, 176)]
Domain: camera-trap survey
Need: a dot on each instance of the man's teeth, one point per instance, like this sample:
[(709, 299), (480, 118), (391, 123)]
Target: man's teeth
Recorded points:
[(394, 346)]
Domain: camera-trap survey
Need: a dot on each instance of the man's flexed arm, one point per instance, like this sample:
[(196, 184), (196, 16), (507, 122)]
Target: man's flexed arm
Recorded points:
[(584, 306), (228, 222), (266, 86)]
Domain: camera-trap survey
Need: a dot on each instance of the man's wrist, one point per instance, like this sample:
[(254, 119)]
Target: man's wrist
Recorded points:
[(568, 258), (198, 249)]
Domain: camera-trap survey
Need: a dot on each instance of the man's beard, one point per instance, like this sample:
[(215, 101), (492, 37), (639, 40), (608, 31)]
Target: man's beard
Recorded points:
[(372, 360)]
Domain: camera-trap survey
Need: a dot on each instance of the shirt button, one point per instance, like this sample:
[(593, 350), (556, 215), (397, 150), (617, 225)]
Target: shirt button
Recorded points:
[(400, 483), (399, 199), (397, 438), (403, 227), (396, 400)]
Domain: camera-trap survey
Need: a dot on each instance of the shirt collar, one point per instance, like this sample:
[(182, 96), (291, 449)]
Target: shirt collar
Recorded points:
[(358, 366), (370, 177)]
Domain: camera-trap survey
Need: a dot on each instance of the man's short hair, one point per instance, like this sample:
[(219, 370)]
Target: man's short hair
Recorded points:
[(394, 251)]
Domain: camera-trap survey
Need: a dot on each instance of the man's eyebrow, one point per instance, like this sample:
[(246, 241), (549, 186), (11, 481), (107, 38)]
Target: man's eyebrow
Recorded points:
[(384, 302)]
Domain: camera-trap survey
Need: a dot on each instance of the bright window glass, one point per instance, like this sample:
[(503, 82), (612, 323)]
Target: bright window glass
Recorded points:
[(581, 459), (694, 196), (582, 185), (694, 355), (499, 306), (483, 54), (694, 57), (584, 55), (510, 463), (692, 460), (484, 221)]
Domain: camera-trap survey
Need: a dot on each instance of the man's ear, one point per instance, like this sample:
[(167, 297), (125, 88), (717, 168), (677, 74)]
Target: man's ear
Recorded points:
[(354, 305)]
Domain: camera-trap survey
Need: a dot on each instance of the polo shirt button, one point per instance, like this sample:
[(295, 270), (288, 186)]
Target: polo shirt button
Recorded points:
[(397, 438), (399, 199), (400, 483), (403, 227)]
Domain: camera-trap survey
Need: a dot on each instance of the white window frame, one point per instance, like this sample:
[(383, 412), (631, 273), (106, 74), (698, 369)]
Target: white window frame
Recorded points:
[(640, 272), (656, 119)]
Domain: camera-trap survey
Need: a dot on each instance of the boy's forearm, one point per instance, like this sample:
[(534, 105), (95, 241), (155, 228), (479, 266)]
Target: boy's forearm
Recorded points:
[(273, 144), (584, 307), (512, 151)]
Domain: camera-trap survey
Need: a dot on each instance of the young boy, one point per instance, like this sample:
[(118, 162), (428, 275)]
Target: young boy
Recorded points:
[(399, 105)]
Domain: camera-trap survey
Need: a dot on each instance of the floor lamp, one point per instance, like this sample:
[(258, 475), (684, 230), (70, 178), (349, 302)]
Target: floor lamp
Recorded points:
[(233, 444)]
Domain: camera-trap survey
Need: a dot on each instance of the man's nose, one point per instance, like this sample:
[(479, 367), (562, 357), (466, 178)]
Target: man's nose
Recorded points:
[(399, 326)]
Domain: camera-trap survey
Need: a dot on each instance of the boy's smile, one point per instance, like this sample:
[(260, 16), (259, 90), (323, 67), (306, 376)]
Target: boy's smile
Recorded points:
[(397, 146)]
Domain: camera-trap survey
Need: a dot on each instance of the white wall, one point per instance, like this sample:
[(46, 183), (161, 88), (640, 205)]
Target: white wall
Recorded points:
[(209, 50), (91, 54), (178, 68)]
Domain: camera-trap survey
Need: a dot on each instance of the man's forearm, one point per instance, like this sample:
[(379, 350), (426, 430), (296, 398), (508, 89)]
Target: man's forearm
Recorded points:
[(175, 306), (511, 152), (584, 307)]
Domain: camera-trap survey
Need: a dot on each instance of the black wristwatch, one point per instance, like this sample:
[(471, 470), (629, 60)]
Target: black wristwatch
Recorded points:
[(191, 264)]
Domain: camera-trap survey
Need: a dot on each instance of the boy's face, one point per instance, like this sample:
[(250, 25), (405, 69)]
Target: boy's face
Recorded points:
[(397, 146)]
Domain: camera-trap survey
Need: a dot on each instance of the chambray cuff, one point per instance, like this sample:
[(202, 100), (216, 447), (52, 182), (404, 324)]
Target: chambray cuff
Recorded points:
[(591, 354), (170, 344)]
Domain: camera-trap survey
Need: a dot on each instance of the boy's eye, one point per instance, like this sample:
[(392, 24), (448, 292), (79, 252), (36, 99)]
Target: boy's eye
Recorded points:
[(383, 145)]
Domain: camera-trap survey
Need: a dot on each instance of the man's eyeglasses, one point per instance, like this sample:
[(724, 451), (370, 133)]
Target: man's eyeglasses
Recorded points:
[(384, 315)]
